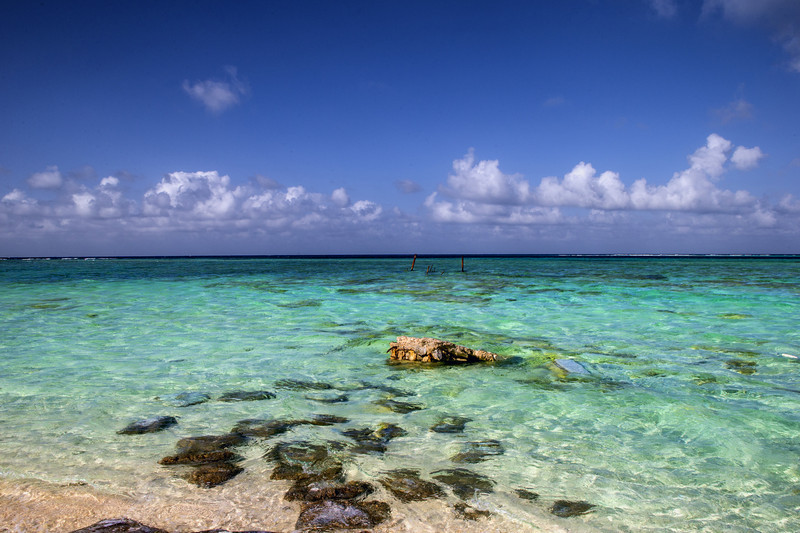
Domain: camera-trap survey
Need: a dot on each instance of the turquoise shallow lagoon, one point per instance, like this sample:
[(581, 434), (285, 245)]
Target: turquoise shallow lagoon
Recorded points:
[(688, 420)]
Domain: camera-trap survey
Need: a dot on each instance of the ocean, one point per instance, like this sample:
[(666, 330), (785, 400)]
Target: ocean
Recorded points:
[(681, 411)]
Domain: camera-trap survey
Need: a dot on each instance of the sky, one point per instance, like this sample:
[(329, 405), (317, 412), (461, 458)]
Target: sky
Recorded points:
[(399, 127)]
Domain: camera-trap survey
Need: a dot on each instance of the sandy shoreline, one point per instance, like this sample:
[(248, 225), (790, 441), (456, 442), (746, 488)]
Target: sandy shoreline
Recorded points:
[(28, 506)]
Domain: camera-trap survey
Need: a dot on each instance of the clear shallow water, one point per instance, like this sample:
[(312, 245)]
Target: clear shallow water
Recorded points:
[(689, 418)]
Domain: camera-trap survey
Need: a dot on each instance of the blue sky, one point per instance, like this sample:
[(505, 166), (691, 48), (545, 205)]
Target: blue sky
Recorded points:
[(579, 126)]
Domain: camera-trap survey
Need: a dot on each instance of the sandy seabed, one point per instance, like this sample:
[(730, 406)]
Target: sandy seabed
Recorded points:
[(28, 506)]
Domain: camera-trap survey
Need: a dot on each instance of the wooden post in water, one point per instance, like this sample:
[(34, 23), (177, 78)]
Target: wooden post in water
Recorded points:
[(462, 263), (413, 261)]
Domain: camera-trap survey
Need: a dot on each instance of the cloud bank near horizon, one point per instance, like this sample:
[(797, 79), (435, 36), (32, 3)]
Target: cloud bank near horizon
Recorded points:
[(476, 203)]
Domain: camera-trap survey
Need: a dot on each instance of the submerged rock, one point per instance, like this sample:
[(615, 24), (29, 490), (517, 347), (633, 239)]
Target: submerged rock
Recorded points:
[(126, 525), (300, 460), (148, 425), (299, 384), (467, 512), (526, 494), (246, 396), (450, 424), (566, 509), (330, 514), (398, 406), (213, 474), (263, 428), (200, 458), (407, 486), (259, 427), (213, 463), (229, 531), (742, 366), (313, 491), (210, 443), (374, 440), (570, 366), (365, 385), (428, 350), (119, 525), (327, 397), (394, 391), (328, 420), (475, 452), (464, 483), (185, 399)]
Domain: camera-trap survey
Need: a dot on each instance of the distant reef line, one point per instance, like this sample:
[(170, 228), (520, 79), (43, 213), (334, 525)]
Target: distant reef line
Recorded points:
[(408, 255)]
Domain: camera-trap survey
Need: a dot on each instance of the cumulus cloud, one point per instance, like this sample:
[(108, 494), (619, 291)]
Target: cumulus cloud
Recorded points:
[(47, 179), (694, 189), (192, 205), (208, 199), (746, 158), (472, 212), (18, 203), (199, 194), (340, 197), (479, 193), (366, 210), (789, 204), (582, 188), (484, 182), (217, 95), (477, 205)]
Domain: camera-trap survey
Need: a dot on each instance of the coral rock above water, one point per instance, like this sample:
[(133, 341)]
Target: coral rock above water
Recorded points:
[(428, 350)]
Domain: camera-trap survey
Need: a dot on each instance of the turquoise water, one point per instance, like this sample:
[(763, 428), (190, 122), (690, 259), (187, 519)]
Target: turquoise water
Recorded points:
[(689, 418)]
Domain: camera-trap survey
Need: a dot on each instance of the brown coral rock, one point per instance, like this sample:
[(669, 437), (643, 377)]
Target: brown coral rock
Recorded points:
[(428, 350)]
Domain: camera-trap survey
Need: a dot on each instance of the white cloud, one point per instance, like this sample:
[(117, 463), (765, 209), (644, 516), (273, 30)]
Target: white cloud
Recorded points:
[(477, 186), (206, 199), (477, 206), (48, 179), (83, 203), (664, 8), (216, 95), (366, 210), (739, 109), (18, 203), (478, 193), (789, 204), (746, 158), (694, 189), (484, 182), (201, 194), (581, 188), (471, 212), (710, 158), (340, 197)]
